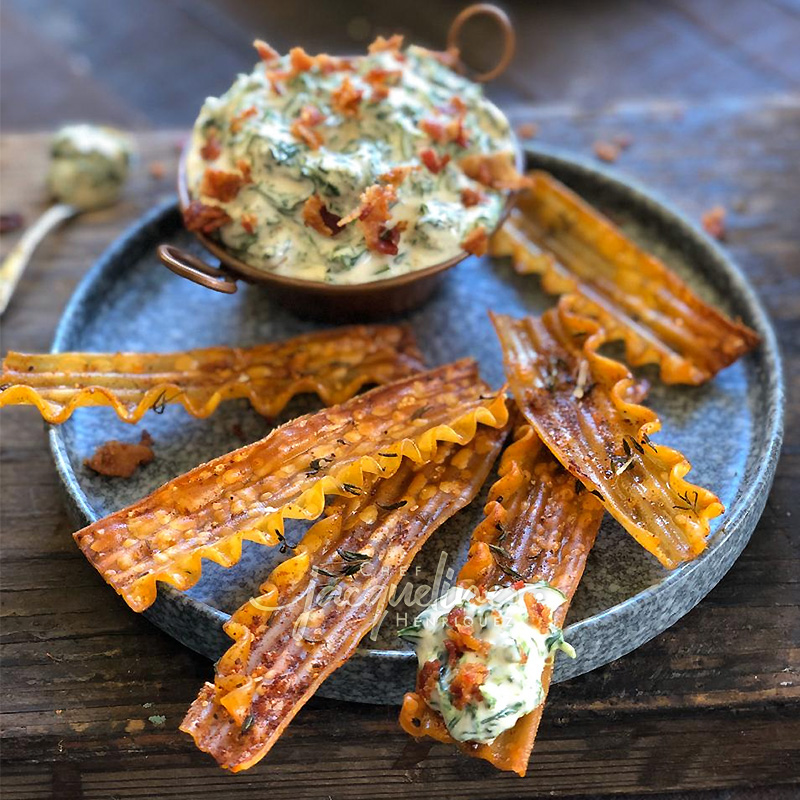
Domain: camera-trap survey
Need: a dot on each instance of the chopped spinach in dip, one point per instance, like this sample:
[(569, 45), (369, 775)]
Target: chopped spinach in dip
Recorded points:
[(284, 142), (481, 657)]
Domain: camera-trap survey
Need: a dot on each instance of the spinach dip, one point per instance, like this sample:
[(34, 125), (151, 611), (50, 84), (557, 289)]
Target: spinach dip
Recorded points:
[(349, 170)]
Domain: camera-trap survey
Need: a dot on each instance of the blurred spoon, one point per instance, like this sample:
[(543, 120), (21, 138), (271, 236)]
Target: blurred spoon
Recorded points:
[(88, 167)]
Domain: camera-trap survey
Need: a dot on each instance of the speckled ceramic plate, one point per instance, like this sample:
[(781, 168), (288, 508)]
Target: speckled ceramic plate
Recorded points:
[(730, 429)]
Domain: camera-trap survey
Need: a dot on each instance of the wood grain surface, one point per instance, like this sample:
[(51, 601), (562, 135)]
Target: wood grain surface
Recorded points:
[(92, 694)]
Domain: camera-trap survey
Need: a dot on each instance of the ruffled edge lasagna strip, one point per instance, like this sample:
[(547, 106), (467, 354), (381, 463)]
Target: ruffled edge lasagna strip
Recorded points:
[(334, 364), (246, 494), (554, 233), (580, 404), (317, 605), (538, 526)]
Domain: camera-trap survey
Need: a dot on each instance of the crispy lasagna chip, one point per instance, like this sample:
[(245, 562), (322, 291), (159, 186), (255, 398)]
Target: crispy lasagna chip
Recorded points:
[(246, 494), (317, 605), (554, 233), (580, 404), (333, 364), (539, 526)]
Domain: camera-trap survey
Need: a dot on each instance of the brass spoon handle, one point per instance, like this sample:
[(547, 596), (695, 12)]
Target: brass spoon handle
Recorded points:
[(15, 262)]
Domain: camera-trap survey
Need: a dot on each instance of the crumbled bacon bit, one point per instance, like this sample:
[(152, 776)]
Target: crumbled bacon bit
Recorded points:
[(317, 216), (221, 185), (300, 61), (496, 170), (244, 167), (211, 149), (199, 217), (518, 584), (11, 222), (303, 126), (622, 140), (388, 238), (157, 170), (381, 80), (372, 215), (396, 175), (527, 130), (461, 636), (606, 151), (381, 45), (435, 163), (249, 222), (714, 222), (538, 613), (121, 459), (346, 99), (327, 64), (471, 197), (465, 687), (238, 121), (427, 678), (476, 241), (266, 53), (434, 129)]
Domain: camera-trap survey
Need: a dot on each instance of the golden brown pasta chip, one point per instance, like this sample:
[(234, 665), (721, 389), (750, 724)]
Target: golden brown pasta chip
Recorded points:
[(554, 233), (247, 493), (317, 605), (538, 526), (333, 364), (580, 405)]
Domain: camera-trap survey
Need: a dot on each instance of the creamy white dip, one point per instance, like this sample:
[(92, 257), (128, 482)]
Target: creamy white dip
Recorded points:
[(250, 129), (512, 649), (89, 165)]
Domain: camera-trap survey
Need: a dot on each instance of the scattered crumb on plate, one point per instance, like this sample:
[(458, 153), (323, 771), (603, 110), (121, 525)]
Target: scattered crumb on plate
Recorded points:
[(606, 151), (121, 459)]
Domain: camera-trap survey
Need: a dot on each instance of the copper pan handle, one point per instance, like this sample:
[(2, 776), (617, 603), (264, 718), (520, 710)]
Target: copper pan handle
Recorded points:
[(509, 37), (195, 269)]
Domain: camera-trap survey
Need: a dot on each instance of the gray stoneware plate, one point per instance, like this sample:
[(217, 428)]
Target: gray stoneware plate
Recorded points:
[(730, 429)]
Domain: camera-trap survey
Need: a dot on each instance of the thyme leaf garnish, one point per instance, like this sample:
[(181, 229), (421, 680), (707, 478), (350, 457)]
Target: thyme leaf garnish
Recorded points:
[(420, 412), (510, 571), (325, 572), (351, 556), (501, 551), (352, 488), (392, 506), (248, 723)]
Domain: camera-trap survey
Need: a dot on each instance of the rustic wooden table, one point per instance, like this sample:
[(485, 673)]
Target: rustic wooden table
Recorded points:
[(91, 695)]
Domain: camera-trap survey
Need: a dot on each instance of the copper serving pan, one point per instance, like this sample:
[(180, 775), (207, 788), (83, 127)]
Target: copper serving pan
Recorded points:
[(317, 299)]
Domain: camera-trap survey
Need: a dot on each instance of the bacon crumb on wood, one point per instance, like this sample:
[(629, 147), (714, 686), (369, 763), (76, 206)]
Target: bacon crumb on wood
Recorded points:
[(527, 130), (121, 459), (476, 241), (714, 222), (221, 185), (606, 151), (202, 218)]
